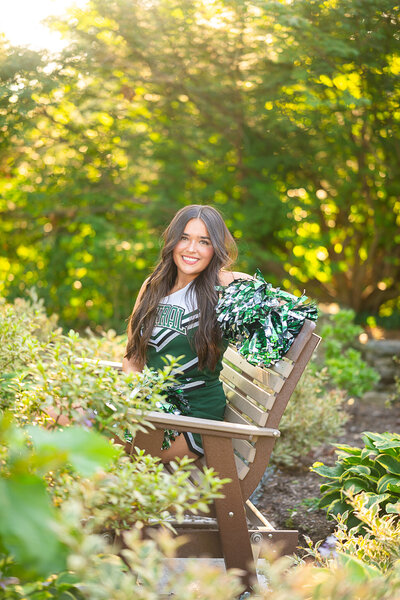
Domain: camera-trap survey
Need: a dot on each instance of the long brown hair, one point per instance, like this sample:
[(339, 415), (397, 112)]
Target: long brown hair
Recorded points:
[(207, 339)]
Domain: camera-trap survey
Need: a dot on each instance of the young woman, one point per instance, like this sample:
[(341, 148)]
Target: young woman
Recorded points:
[(175, 314)]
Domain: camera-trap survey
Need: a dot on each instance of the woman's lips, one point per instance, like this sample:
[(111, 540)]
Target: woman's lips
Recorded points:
[(189, 260)]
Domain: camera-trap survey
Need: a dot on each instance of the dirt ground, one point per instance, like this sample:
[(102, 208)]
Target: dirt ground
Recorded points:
[(287, 498)]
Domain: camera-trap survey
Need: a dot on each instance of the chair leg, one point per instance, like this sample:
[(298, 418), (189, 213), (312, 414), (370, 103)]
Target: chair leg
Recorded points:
[(230, 512), (150, 441)]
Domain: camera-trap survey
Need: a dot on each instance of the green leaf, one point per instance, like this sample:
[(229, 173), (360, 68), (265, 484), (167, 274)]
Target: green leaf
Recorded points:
[(358, 571), (388, 445), (390, 463), (28, 526), (369, 453), (370, 438), (357, 484), (328, 487), (359, 470), (327, 499), (350, 450), (372, 498), (338, 507), (332, 472), (393, 508), (389, 482), (87, 451)]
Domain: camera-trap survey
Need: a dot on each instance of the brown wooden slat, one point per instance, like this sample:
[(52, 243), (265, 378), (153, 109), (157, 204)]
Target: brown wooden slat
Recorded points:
[(284, 367), (242, 468), (255, 517), (234, 357), (245, 449), (234, 429), (233, 416), (195, 475), (301, 340), (206, 542), (265, 376), (256, 414), (243, 384), (274, 381)]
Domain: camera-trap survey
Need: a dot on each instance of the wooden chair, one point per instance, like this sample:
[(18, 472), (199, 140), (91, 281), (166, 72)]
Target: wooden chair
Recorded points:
[(240, 448)]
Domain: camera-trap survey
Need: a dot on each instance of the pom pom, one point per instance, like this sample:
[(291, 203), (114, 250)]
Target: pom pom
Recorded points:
[(262, 322), (175, 403)]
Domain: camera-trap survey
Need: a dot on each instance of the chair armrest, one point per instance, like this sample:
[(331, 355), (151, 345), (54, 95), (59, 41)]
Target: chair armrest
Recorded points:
[(162, 420), (208, 426)]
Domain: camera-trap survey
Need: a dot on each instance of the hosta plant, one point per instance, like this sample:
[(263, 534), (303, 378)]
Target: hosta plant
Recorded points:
[(374, 470)]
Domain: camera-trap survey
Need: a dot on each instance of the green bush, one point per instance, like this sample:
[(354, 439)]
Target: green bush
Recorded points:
[(379, 546), (346, 368), (349, 567), (24, 329), (51, 550), (374, 470), (314, 415), (56, 489), (32, 536), (136, 490)]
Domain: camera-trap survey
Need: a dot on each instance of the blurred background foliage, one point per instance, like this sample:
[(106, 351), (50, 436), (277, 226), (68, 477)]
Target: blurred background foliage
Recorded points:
[(284, 115)]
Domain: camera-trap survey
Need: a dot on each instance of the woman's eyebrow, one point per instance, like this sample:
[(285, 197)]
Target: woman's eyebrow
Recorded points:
[(202, 237)]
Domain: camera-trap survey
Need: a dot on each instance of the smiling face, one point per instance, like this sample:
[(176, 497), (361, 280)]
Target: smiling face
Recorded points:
[(194, 251)]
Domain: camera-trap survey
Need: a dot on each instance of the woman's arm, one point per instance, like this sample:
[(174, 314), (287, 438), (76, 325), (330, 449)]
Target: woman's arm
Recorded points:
[(128, 364)]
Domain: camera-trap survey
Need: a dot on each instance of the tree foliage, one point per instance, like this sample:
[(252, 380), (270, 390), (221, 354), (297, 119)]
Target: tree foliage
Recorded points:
[(284, 115)]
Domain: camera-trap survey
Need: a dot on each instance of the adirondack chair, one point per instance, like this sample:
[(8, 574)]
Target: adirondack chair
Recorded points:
[(239, 448)]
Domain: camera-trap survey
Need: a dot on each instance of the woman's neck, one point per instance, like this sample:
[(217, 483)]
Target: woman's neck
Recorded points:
[(181, 283)]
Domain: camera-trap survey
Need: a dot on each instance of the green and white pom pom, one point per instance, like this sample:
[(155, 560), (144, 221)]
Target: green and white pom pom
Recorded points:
[(262, 322)]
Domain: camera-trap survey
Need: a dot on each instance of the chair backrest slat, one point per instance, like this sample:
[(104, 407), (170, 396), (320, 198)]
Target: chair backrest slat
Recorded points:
[(241, 467), (264, 376), (242, 384), (258, 415), (234, 416), (283, 367), (250, 397), (300, 341), (244, 448)]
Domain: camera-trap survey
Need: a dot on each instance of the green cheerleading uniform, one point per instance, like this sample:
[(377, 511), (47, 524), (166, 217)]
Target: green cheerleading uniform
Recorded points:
[(176, 322)]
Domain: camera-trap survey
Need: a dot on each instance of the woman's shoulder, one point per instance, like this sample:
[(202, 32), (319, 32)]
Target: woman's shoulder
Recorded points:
[(226, 277)]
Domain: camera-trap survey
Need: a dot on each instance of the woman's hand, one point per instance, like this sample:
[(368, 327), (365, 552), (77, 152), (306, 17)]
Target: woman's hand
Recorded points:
[(226, 277)]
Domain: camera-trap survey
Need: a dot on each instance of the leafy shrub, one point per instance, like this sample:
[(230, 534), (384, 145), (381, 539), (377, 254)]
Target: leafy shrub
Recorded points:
[(347, 370), (379, 546), (31, 520), (87, 393), (347, 579), (350, 567), (136, 490), (49, 489), (374, 469), (39, 370), (24, 328), (314, 415), (47, 553), (362, 567)]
